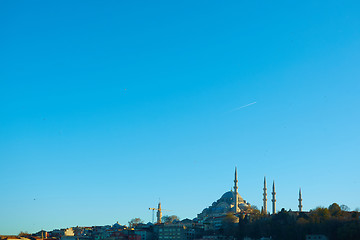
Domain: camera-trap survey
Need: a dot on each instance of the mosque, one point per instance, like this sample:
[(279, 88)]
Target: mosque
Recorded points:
[(232, 202)]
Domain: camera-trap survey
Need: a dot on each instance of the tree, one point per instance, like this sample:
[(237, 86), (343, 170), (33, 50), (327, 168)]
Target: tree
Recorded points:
[(229, 224), (23, 233), (335, 210), (319, 215), (135, 221), (230, 218), (169, 219), (344, 208), (255, 212)]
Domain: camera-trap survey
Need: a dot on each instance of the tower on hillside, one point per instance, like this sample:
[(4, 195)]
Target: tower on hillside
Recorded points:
[(236, 203), (273, 199), (300, 201), (159, 213), (265, 197)]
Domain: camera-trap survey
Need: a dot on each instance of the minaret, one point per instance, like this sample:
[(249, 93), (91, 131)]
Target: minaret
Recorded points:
[(159, 213), (300, 201), (265, 197), (273, 199), (236, 208)]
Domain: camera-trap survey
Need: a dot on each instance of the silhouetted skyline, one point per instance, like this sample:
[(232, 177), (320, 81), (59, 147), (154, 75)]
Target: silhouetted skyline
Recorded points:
[(108, 106)]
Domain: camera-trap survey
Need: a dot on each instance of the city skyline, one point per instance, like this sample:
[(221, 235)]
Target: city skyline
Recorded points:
[(108, 106)]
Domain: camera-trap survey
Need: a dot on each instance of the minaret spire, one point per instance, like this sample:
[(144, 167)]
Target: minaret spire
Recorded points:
[(159, 213), (300, 201), (236, 203), (273, 199), (265, 197)]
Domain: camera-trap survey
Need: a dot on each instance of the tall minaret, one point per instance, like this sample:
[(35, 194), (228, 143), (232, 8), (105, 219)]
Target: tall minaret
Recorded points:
[(300, 201), (265, 197), (159, 213), (236, 208), (273, 199)]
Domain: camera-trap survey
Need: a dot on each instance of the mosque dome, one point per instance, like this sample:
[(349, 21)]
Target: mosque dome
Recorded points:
[(223, 205), (230, 196)]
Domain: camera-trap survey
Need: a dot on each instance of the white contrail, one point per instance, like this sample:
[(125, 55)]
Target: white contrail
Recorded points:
[(235, 109)]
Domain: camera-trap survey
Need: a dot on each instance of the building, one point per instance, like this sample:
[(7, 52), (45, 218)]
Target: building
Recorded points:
[(69, 232), (144, 234), (134, 236), (230, 201), (213, 223), (174, 232)]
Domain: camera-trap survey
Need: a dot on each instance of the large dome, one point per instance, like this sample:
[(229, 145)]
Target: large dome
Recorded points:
[(224, 205), (230, 196)]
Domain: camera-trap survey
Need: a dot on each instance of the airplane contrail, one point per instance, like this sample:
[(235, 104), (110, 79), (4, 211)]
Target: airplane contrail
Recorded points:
[(235, 109)]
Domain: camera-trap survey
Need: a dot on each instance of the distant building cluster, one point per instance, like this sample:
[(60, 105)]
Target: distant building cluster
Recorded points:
[(229, 208), (180, 230)]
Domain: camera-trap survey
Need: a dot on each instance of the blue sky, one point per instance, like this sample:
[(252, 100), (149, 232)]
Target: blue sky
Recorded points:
[(108, 106)]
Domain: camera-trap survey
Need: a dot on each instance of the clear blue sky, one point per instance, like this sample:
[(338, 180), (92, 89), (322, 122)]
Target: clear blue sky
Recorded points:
[(107, 106)]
